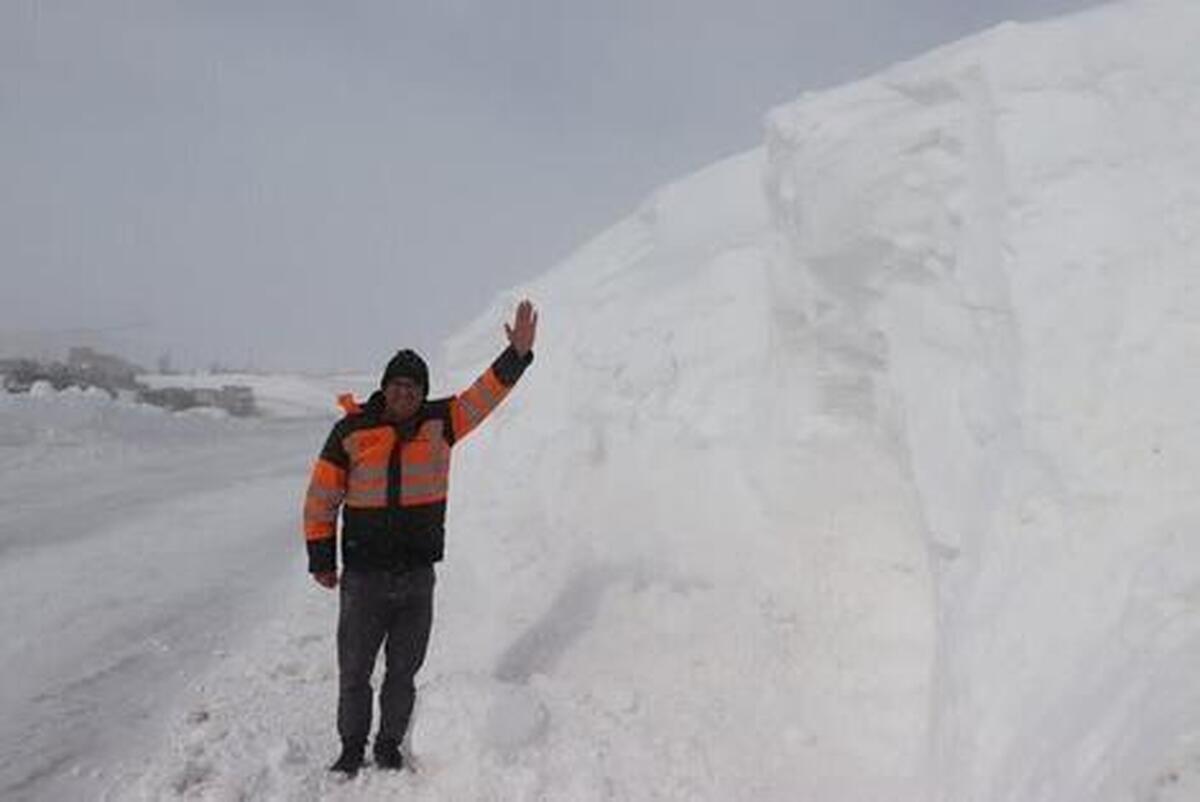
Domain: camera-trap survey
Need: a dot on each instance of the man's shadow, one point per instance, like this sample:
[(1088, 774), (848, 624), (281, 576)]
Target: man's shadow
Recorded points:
[(570, 615)]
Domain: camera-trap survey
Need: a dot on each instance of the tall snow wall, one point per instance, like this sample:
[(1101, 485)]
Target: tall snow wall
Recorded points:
[(863, 465), (999, 240)]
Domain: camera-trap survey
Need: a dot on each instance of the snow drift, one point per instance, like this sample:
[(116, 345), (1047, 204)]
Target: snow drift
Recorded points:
[(884, 438), (861, 466)]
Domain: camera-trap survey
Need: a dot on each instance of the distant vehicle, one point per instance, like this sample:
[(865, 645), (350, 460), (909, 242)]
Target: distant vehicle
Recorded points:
[(87, 368)]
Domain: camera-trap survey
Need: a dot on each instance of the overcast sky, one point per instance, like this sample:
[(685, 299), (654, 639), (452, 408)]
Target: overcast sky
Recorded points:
[(311, 184)]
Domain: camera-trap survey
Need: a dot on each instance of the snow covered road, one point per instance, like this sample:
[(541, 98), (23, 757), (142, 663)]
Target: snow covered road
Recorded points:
[(127, 565)]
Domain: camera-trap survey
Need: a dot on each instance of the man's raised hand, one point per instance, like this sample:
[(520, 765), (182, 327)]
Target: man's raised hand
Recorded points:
[(523, 331)]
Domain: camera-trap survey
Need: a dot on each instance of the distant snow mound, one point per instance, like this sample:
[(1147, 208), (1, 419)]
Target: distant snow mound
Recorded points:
[(886, 436)]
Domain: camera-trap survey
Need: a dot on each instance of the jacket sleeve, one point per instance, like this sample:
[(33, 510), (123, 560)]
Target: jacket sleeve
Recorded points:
[(326, 489), (470, 407)]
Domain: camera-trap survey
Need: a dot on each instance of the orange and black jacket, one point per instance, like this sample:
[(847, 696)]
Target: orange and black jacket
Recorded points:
[(390, 479)]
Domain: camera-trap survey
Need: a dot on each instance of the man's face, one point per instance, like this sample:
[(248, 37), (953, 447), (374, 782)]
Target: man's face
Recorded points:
[(402, 397)]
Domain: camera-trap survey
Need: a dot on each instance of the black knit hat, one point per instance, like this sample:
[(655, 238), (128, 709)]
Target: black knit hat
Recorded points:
[(407, 364)]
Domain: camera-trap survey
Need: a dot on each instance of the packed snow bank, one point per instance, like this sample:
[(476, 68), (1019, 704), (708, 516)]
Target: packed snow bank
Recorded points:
[(980, 263), (695, 577), (997, 245), (858, 467)]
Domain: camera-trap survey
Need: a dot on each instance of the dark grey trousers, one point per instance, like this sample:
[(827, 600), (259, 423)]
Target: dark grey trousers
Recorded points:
[(379, 608)]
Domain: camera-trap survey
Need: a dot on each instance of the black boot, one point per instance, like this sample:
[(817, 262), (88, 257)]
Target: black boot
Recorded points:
[(387, 754), (351, 759)]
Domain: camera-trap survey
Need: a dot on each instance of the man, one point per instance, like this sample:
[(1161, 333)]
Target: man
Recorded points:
[(386, 466)]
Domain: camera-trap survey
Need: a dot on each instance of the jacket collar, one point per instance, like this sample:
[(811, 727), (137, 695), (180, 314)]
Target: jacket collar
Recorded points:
[(374, 406)]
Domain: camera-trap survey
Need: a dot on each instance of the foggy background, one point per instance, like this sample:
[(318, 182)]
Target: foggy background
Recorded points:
[(295, 184)]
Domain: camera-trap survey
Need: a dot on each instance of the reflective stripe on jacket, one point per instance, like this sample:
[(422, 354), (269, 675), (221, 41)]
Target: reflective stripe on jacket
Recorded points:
[(390, 480)]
